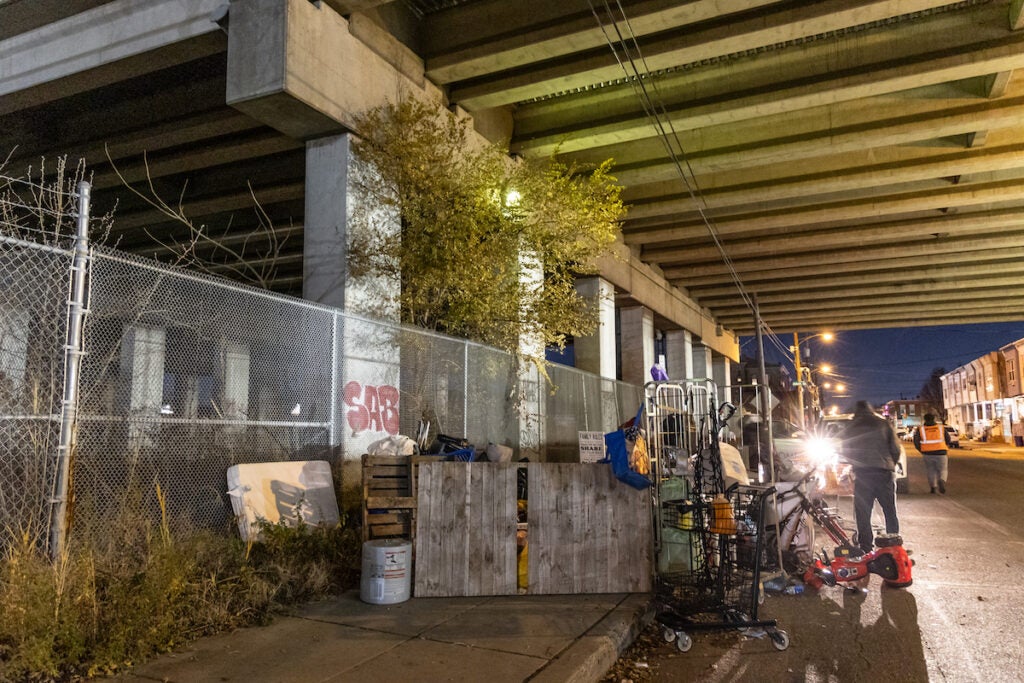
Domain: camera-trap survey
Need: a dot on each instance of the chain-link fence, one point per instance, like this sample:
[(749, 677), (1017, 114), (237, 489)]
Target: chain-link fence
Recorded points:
[(33, 319), (185, 375)]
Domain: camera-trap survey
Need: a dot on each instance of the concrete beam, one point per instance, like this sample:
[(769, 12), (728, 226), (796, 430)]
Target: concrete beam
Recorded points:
[(855, 236), (910, 255), (647, 287), (350, 6), (232, 150), (495, 35), (871, 283), (824, 213), (748, 151), (926, 170), (299, 69), (109, 43), (198, 208), (935, 299), (922, 54), (672, 48), (904, 319), (22, 17), (883, 316), (774, 273)]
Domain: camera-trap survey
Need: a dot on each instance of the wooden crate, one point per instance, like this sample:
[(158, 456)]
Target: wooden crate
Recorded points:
[(389, 497)]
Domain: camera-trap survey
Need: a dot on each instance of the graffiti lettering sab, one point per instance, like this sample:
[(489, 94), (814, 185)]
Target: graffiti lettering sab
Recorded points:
[(371, 408)]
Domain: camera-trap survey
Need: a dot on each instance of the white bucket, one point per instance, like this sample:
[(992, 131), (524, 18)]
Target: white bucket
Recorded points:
[(386, 571)]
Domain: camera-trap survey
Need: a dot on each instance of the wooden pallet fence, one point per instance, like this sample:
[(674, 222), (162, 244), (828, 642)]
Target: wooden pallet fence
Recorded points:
[(587, 532), (467, 521), (389, 501)]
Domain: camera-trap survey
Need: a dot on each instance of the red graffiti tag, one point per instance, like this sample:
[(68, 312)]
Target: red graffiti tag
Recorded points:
[(372, 408)]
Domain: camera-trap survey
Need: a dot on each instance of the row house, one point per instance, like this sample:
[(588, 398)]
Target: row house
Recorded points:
[(905, 414), (983, 398), (1013, 363)]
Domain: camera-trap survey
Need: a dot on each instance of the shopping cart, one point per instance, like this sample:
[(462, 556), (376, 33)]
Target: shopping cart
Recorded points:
[(709, 539)]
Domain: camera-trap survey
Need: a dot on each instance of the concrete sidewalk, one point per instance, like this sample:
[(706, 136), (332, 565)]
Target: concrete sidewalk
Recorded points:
[(544, 639)]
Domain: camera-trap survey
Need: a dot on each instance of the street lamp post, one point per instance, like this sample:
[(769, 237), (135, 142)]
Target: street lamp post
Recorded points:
[(799, 380), (827, 336)]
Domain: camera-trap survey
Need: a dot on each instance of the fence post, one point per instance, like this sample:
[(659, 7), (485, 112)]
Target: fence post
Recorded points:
[(333, 432), (72, 365)]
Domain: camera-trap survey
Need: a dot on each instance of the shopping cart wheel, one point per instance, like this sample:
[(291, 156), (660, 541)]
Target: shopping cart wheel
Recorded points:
[(683, 642), (780, 639), (668, 634)]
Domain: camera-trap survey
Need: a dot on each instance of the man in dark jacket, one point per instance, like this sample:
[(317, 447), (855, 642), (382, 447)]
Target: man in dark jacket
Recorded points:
[(869, 445)]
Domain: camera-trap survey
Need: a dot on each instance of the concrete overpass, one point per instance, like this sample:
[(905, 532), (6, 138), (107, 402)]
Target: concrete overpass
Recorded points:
[(855, 163)]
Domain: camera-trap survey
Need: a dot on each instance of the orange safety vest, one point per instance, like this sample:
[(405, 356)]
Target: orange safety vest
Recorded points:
[(931, 439)]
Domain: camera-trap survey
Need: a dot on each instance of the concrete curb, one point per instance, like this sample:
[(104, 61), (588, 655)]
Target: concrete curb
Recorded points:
[(592, 654)]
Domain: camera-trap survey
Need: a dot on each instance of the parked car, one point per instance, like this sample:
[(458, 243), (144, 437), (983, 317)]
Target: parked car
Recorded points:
[(954, 436)]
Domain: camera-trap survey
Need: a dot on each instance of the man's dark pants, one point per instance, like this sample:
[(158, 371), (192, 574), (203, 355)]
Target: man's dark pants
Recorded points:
[(869, 485)]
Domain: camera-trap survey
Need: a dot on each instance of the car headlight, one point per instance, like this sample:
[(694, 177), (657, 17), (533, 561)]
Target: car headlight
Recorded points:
[(820, 451)]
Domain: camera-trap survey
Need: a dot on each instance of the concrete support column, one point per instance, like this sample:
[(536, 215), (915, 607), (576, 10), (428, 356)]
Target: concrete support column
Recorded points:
[(143, 352), (367, 382), (721, 368), (233, 364), (596, 353), (532, 403), (702, 361), (326, 238), (679, 354), (637, 338)]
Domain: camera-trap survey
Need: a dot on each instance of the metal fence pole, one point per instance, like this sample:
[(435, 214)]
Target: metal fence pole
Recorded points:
[(333, 431), (465, 389), (72, 365)]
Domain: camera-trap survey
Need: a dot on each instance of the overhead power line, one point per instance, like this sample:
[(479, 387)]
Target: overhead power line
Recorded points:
[(655, 110)]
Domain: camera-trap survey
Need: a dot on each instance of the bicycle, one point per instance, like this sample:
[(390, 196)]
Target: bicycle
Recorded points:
[(798, 512)]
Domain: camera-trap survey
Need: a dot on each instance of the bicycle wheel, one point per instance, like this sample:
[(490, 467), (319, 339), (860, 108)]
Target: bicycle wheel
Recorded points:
[(802, 547)]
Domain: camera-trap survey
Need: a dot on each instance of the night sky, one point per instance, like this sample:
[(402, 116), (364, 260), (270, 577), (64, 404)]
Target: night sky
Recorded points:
[(881, 365)]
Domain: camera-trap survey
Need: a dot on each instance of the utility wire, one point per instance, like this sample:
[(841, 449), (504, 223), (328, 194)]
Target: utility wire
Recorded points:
[(668, 135)]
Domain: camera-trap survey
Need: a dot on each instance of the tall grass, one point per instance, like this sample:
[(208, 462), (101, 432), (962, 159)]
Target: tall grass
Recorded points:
[(114, 600)]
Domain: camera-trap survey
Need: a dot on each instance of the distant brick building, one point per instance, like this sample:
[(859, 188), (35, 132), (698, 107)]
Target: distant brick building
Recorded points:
[(903, 413)]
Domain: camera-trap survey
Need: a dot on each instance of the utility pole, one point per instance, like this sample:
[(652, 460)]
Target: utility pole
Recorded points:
[(765, 445), (799, 379)]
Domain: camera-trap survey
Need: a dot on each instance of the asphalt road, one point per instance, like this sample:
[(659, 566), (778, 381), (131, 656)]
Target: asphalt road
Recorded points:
[(962, 620)]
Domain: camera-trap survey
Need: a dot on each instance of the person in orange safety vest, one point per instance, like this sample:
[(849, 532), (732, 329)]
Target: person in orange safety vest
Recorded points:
[(932, 441)]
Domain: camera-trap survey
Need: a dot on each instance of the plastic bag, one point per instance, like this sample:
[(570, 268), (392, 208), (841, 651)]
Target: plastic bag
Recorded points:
[(619, 456), (393, 445)]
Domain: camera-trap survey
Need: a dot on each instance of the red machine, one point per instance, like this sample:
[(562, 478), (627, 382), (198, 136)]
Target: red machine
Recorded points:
[(889, 560), (849, 564)]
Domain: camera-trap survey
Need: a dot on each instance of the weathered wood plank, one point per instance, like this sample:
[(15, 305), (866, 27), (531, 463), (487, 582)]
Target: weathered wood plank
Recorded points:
[(390, 517), (630, 522), (587, 532), (590, 533), (457, 478), (498, 547), (380, 502), (428, 538), (388, 530), (477, 531)]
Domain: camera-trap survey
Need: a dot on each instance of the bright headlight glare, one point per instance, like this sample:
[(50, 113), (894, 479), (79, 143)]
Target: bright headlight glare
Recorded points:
[(820, 450)]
